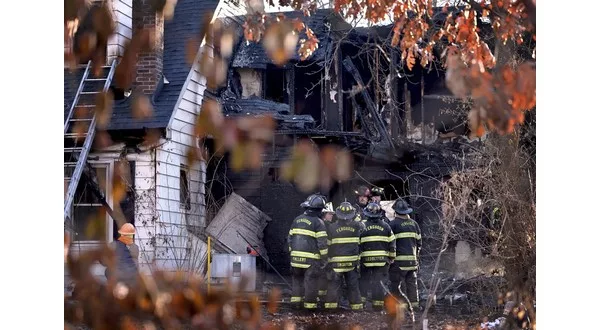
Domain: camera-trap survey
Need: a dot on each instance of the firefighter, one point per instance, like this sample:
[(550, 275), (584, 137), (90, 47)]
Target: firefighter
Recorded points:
[(328, 213), (363, 194), (378, 249), (376, 194), (408, 247), (344, 254), (307, 241)]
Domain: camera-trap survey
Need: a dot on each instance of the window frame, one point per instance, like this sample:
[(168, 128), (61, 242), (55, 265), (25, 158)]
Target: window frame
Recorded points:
[(185, 206), (90, 244)]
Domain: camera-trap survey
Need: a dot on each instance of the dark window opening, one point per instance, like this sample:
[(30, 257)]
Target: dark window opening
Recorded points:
[(184, 188), (276, 85), (89, 215), (307, 92)]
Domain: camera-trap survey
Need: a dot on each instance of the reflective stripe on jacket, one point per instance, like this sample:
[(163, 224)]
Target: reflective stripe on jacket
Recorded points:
[(344, 245), (377, 243), (307, 240), (408, 242)]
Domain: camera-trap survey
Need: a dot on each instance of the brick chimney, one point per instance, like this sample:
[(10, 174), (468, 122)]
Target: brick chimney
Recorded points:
[(150, 64)]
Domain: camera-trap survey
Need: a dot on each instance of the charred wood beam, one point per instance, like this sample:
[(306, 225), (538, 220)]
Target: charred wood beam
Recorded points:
[(395, 129), (379, 124)]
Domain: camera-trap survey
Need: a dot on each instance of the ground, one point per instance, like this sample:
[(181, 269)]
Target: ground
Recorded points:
[(362, 320)]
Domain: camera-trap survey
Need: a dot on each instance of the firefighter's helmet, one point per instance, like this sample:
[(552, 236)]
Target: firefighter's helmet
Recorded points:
[(372, 210), (362, 191), (376, 191), (401, 207), (329, 208), (127, 229), (345, 211), (314, 201)]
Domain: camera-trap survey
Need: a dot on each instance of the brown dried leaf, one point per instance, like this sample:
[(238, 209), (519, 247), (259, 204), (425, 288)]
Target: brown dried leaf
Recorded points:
[(280, 42), (67, 243), (237, 157), (226, 43), (103, 109), (274, 299), (191, 49), (96, 226), (86, 45), (213, 67), (141, 107), (210, 120), (254, 152), (102, 140), (410, 60), (344, 165), (73, 9), (143, 40), (152, 137), (103, 22), (80, 129)]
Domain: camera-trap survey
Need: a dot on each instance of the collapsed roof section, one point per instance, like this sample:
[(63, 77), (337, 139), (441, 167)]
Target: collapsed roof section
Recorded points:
[(323, 22)]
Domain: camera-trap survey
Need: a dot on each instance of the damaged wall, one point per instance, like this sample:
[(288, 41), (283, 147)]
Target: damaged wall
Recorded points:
[(251, 81)]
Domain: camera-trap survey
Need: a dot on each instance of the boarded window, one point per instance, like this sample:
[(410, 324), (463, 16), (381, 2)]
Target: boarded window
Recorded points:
[(184, 188)]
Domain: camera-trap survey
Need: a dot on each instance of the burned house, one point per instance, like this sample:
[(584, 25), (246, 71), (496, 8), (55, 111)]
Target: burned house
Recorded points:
[(400, 125)]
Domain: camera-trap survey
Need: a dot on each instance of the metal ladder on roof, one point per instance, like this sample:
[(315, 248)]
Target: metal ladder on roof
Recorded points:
[(80, 128)]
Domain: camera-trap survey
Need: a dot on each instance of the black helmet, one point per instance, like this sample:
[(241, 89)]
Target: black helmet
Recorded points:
[(345, 211), (401, 207), (305, 204), (376, 191), (314, 201), (373, 210), (362, 191)]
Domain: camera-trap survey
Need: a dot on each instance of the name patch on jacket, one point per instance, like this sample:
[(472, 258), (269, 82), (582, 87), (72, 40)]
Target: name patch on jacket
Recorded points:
[(375, 227), (341, 229), (306, 221)]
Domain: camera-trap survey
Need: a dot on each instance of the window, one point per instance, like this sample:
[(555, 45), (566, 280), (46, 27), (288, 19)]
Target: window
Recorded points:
[(184, 188), (276, 85), (89, 216)]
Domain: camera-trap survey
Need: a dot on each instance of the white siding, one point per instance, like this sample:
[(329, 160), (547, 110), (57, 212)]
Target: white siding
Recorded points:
[(122, 14), (176, 247), (145, 207), (174, 243)]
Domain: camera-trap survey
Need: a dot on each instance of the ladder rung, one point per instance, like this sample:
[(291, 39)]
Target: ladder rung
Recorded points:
[(70, 163), (88, 93), (85, 106), (96, 79), (73, 149), (75, 135), (81, 119)]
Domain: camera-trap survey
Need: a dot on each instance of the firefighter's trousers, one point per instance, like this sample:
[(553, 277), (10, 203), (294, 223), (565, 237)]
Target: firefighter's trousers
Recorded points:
[(334, 289), (304, 287), (322, 285), (405, 280), (371, 278)]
